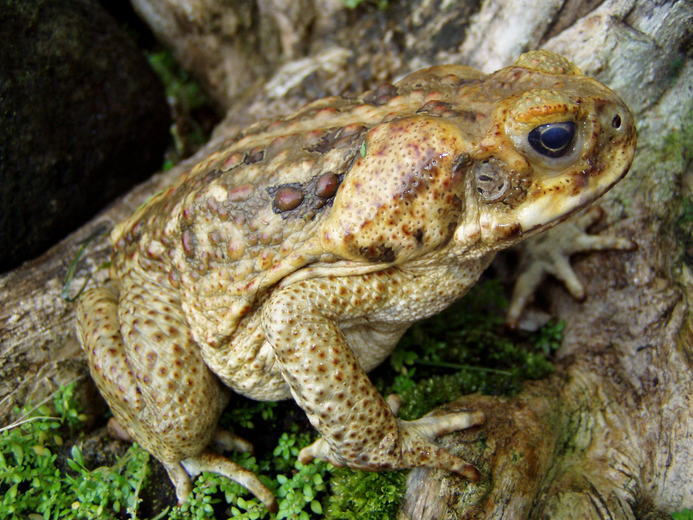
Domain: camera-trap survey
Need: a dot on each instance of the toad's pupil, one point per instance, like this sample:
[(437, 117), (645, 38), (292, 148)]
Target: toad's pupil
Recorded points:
[(552, 139)]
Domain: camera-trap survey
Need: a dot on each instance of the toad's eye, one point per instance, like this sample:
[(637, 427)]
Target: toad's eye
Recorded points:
[(552, 139)]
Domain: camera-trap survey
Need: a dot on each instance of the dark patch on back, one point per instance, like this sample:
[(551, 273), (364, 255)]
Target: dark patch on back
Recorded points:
[(378, 253)]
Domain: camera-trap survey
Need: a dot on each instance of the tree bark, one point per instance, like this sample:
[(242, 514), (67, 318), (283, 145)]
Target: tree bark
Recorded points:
[(608, 436)]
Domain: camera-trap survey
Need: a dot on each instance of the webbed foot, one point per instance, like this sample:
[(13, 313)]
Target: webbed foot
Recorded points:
[(549, 253), (413, 448)]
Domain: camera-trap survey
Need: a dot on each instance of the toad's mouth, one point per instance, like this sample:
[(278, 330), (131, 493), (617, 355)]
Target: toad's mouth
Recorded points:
[(552, 200)]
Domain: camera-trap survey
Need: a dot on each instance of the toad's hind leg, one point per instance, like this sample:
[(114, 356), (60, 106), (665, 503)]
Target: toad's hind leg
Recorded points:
[(160, 391)]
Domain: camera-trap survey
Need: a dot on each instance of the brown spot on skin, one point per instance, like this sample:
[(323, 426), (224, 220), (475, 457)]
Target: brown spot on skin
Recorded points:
[(326, 185), (287, 198)]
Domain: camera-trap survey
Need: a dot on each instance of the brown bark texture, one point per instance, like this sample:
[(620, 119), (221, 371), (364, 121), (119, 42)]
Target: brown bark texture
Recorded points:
[(609, 434)]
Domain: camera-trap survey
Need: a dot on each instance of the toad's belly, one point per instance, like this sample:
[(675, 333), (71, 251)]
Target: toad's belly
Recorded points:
[(247, 363)]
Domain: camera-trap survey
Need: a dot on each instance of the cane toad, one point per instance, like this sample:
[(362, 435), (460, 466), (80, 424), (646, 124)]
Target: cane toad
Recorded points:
[(290, 261)]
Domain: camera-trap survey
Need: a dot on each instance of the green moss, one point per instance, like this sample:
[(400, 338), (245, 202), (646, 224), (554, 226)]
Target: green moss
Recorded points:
[(39, 480), (362, 495), (686, 514)]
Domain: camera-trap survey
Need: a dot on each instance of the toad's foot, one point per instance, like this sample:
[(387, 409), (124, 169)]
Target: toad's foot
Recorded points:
[(415, 446), (181, 474), (549, 253)]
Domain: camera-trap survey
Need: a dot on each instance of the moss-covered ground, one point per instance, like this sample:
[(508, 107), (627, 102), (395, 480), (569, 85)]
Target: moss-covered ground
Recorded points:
[(43, 472)]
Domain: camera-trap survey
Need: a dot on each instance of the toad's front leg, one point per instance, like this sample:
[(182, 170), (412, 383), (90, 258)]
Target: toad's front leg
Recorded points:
[(358, 427)]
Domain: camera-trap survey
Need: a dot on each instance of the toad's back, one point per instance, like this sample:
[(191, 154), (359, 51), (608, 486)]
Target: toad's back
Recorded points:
[(248, 215)]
